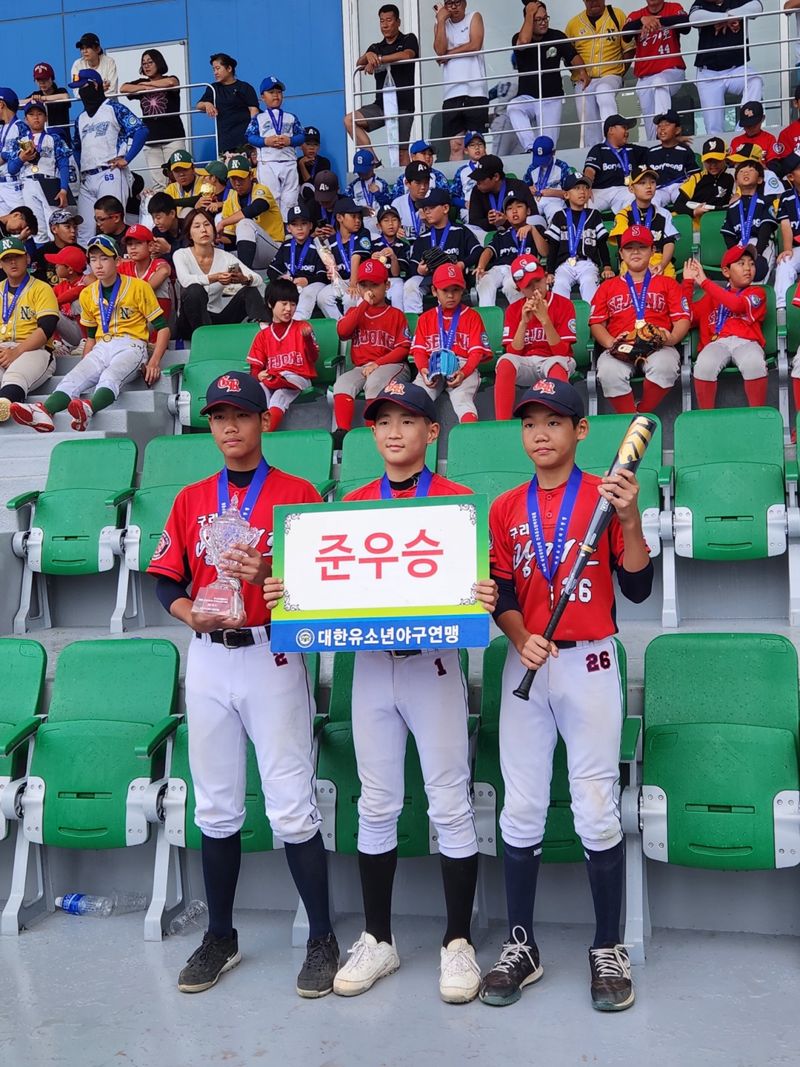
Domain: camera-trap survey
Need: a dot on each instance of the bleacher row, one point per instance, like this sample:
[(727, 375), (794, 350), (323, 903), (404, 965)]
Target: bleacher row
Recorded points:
[(709, 772)]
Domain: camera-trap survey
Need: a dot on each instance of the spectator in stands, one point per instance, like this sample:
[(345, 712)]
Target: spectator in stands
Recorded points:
[(160, 99), (536, 109), (64, 224), (42, 165), (321, 204), (58, 100), (658, 65), (772, 186), (276, 135), (788, 264), (643, 211), (597, 37), (578, 243), (251, 219), (141, 262), (794, 5), (368, 190), (722, 60), (297, 261), (751, 121), (749, 220), (351, 244), (12, 130), (94, 58), (417, 183), (393, 251), (231, 102), (610, 164), (465, 92), (517, 239), (69, 265), (452, 240), (311, 162), (788, 142), (168, 232), (27, 323), (492, 186), (545, 177), (422, 152), (109, 218), (396, 51), (463, 184), (712, 188), (186, 183), (672, 159), (216, 287)]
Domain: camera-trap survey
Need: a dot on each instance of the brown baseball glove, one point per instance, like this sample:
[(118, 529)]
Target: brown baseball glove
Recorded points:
[(637, 345)]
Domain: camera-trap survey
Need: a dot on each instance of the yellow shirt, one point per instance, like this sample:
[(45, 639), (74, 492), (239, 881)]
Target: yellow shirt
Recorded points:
[(604, 55), (136, 308), (36, 301), (177, 192), (270, 220)]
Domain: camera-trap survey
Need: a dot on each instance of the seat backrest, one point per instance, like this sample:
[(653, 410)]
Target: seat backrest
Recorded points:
[(770, 323), (179, 460), (22, 667), (584, 343), (684, 224), (729, 435), (198, 376), (712, 243), (597, 450), (493, 321), (361, 461), (227, 342), (107, 464), (133, 680), (483, 447), (305, 453), (326, 337)]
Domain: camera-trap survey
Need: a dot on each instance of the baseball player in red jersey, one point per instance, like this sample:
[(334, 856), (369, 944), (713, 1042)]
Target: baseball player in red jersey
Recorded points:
[(538, 335), (729, 319), (237, 688), (658, 65), (622, 304), (788, 141), (536, 532), (457, 330)]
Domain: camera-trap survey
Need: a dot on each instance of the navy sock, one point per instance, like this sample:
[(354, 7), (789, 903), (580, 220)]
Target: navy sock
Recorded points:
[(309, 867), (459, 877), (221, 857), (605, 878), (521, 869), (377, 879)]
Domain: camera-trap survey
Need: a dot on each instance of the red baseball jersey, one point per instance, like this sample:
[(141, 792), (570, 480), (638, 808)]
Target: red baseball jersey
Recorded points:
[(277, 348), (765, 140), (613, 305), (562, 315), (658, 50), (747, 307), (379, 335), (471, 341), (439, 487), (589, 616), (180, 548), (788, 142)]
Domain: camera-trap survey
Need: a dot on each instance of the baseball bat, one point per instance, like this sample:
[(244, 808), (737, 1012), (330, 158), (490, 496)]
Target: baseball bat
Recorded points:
[(629, 455)]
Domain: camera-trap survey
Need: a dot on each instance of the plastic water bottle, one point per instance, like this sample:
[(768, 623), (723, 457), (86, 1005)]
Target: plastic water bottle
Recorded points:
[(193, 916), (116, 904)]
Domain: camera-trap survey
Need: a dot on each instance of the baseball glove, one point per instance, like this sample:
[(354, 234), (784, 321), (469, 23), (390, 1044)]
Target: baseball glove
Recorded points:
[(637, 345), (435, 257), (443, 362)]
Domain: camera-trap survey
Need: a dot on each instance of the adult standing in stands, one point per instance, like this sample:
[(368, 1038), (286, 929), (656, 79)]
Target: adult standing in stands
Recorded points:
[(94, 58), (465, 92), (157, 92), (596, 34), (57, 100), (540, 93), (722, 59), (396, 52), (658, 65), (230, 101)]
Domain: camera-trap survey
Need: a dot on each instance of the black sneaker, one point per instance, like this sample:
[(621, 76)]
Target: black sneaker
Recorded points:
[(319, 967), (517, 967), (612, 988), (215, 956)]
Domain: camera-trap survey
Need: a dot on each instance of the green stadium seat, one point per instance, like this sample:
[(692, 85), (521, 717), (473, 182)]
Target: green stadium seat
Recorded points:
[(22, 667), (720, 757), (712, 243), (195, 379), (97, 767), (226, 342), (684, 243), (493, 322), (305, 453), (583, 351), (488, 457), (65, 537), (361, 461)]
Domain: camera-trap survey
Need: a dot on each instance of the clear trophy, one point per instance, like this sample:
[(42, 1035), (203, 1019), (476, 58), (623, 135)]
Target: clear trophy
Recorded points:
[(224, 596)]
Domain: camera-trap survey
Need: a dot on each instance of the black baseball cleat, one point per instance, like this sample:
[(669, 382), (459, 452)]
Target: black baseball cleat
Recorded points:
[(319, 967), (215, 956), (612, 988), (517, 967)]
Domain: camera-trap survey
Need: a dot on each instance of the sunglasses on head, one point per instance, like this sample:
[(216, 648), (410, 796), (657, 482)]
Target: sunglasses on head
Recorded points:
[(529, 268)]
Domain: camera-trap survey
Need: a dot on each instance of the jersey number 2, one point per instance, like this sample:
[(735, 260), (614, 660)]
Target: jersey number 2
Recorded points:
[(598, 662)]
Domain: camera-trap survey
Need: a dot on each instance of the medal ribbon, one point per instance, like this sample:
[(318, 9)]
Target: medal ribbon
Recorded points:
[(276, 119), (423, 485), (106, 307), (8, 311), (368, 196), (548, 565), (253, 490), (346, 256), (497, 200), (722, 317), (637, 215), (447, 337), (747, 224), (296, 265), (622, 159), (435, 243), (521, 243), (639, 297), (415, 220), (574, 233), (541, 182)]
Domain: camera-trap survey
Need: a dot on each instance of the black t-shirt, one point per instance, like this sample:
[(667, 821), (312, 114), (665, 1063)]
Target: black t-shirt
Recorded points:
[(57, 114), (233, 102), (554, 49), (402, 73), (673, 164), (711, 51), (605, 161), (160, 113), (481, 203), (320, 163)]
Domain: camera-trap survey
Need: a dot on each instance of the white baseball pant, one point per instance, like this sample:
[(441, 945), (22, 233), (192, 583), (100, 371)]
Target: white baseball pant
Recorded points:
[(34, 198), (109, 365), (155, 157), (326, 302), (549, 205), (531, 368), (308, 300), (233, 694), (281, 178), (712, 86), (462, 398), (396, 295), (29, 370), (666, 194), (595, 103), (282, 398), (111, 182), (532, 118), (661, 367), (11, 195), (577, 695), (655, 92), (353, 382), (747, 356), (424, 695), (498, 277), (584, 274), (412, 293), (614, 199), (266, 248), (786, 271)]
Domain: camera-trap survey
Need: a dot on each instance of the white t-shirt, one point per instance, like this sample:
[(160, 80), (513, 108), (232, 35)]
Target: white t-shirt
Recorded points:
[(187, 271), (463, 75), (106, 68)]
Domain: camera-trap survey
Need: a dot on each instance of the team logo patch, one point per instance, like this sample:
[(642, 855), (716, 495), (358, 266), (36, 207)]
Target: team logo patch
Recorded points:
[(778, 149), (395, 388), (551, 53), (163, 546), (684, 304), (572, 325), (229, 384), (755, 300), (544, 386), (485, 339), (365, 244)]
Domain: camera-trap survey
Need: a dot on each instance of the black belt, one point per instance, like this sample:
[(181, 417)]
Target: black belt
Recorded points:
[(404, 653), (95, 170), (566, 644), (243, 638)]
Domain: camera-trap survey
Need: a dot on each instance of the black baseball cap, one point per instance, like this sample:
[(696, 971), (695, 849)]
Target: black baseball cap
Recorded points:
[(643, 172), (297, 214), (406, 395), (751, 113), (387, 209), (572, 180), (239, 389), (671, 115), (326, 187), (617, 120), (436, 198), (418, 171), (88, 40), (346, 205), (487, 167), (514, 198), (312, 135), (714, 148), (790, 163), (555, 394)]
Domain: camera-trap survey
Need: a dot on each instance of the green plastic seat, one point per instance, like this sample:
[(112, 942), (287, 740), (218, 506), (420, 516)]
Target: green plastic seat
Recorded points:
[(22, 667), (225, 342), (195, 380), (412, 318), (330, 355), (488, 457), (493, 318), (720, 755), (684, 243), (361, 462), (305, 453), (712, 243), (792, 323)]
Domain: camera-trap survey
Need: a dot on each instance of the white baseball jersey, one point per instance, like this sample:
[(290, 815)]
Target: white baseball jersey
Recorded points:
[(271, 123)]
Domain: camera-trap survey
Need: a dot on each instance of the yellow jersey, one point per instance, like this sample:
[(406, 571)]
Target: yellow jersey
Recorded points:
[(135, 310), (177, 192), (605, 54), (270, 220), (36, 301)]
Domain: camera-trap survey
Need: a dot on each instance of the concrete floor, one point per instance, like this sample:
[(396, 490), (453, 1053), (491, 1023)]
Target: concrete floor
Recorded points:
[(91, 993)]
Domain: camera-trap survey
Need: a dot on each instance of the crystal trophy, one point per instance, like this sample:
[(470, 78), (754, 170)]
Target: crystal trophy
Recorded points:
[(224, 532)]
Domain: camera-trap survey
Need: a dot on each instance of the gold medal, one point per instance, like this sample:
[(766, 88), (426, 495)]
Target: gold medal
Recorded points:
[(639, 324), (627, 179), (34, 169), (572, 261), (106, 336), (3, 329)]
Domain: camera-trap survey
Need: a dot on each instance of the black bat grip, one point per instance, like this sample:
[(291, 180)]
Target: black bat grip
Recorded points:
[(523, 690)]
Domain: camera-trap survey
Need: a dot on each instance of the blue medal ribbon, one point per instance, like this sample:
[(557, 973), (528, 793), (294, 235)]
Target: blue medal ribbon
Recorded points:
[(276, 120), (296, 265), (637, 215), (639, 296), (368, 196), (622, 159), (346, 256), (8, 310), (746, 225), (497, 200), (447, 337), (436, 243), (253, 490), (106, 307), (415, 220), (574, 233), (549, 564), (521, 243), (722, 317), (423, 485), (796, 210), (541, 182)]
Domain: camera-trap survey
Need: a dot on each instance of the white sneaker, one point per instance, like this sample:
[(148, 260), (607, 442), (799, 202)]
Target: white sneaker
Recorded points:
[(34, 415), (81, 411), (460, 977), (368, 960)]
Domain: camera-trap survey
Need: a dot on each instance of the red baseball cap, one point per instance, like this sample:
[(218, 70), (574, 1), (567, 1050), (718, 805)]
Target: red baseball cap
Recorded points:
[(138, 233), (526, 269), (372, 270), (71, 256), (448, 274), (43, 70), (636, 235), (733, 255)]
